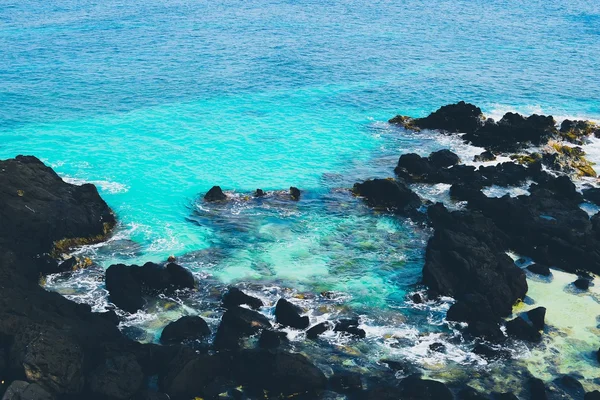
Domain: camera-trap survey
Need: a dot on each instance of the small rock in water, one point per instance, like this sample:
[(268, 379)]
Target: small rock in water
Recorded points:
[(437, 347), (489, 352), (259, 193), (416, 298), (537, 316), (171, 258), (288, 314), (294, 193), (318, 329), (235, 297), (539, 269), (215, 194), (582, 284), (350, 326)]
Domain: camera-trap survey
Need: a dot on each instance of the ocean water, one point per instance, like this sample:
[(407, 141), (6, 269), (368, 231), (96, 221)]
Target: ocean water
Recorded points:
[(157, 101)]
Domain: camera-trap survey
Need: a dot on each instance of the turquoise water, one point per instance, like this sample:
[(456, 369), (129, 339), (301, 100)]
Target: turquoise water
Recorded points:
[(157, 101)]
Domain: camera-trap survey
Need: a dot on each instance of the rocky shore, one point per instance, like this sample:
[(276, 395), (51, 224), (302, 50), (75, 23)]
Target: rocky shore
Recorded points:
[(53, 348)]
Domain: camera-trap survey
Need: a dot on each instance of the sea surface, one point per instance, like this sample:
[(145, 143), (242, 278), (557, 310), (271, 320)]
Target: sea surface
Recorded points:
[(157, 101)]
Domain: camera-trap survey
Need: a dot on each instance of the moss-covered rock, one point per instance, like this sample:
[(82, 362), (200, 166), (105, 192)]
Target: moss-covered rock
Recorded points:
[(577, 131)]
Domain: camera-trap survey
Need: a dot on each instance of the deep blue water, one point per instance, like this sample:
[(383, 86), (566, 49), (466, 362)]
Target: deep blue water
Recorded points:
[(156, 101)]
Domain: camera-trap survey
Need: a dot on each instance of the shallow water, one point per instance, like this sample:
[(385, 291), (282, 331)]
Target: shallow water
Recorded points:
[(156, 101)]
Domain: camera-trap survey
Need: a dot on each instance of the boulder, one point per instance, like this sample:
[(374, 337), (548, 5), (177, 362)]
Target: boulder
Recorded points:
[(281, 373), (215, 194), (504, 396), (350, 326), (577, 131), (388, 194), (125, 290), (316, 330), (236, 324), (235, 297), (570, 385), (537, 316), (443, 158), (55, 362), (259, 193), (21, 390), (187, 328), (592, 195), (120, 377), (539, 269), (520, 329), (537, 389), (288, 314)]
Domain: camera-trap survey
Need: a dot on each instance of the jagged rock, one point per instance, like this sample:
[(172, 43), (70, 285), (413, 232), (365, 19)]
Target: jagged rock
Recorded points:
[(520, 329), (288, 314), (215, 194), (389, 194), (120, 377), (537, 316), (443, 158), (570, 160), (236, 324), (315, 331), (235, 297), (437, 347), (539, 269), (577, 131), (186, 328)]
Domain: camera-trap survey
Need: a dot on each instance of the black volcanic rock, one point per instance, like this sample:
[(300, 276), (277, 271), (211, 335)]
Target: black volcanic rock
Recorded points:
[(128, 284), (592, 195), (455, 118), (237, 323), (295, 193), (484, 157), (41, 213), (316, 330), (184, 329), (537, 316), (416, 388), (235, 297), (520, 329), (582, 284), (466, 257), (443, 158), (215, 194), (595, 395), (468, 393), (288, 314), (537, 389), (539, 269), (270, 339), (388, 194), (120, 377)]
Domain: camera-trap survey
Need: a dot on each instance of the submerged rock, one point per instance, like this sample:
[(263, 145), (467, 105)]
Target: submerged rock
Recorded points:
[(215, 194), (388, 194), (288, 314), (186, 328)]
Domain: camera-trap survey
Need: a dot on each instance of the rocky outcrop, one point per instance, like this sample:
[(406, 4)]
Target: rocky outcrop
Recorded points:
[(578, 131), (388, 194), (127, 285), (454, 118), (215, 194)]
